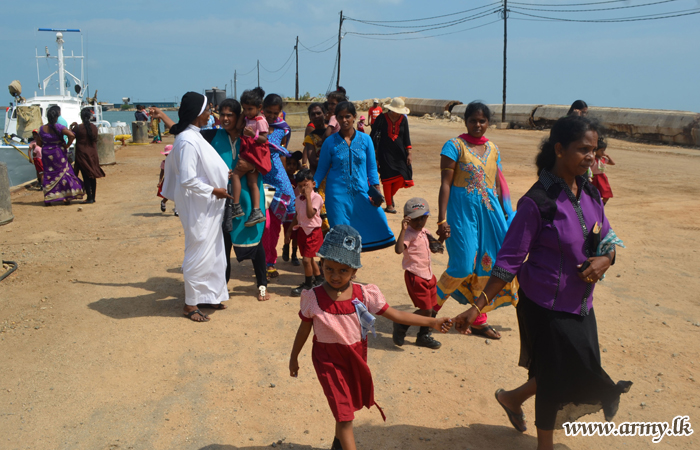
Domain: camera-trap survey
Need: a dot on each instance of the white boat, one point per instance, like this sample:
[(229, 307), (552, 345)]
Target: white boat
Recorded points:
[(14, 147)]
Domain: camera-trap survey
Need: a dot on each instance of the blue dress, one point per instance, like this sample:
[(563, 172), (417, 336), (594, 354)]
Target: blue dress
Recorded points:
[(478, 224), (241, 236), (277, 176), (349, 171)]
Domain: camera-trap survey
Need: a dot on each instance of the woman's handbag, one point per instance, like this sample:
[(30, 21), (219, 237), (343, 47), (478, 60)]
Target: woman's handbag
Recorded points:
[(227, 224)]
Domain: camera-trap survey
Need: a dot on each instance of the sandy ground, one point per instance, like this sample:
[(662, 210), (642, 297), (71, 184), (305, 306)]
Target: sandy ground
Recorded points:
[(97, 355)]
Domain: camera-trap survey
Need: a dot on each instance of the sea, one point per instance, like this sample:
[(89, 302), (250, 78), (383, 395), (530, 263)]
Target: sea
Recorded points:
[(20, 170)]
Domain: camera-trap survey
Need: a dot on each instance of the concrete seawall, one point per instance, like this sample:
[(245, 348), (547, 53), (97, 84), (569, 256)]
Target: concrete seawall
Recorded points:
[(652, 125)]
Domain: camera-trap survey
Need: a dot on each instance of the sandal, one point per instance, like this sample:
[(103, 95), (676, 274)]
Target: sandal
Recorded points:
[(390, 211), (511, 415), (190, 315), (484, 332), (272, 273), (263, 296)]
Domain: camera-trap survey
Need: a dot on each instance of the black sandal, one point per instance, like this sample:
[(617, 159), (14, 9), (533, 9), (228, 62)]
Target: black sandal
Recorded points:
[(511, 415), (196, 311), (484, 330)]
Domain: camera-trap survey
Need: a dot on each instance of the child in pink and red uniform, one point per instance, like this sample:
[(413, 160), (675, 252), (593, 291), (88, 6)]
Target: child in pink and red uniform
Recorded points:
[(414, 243), (254, 156), (339, 351), (599, 179), (308, 223)]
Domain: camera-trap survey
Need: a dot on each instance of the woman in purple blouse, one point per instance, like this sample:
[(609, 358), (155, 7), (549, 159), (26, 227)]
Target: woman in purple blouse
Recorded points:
[(558, 228)]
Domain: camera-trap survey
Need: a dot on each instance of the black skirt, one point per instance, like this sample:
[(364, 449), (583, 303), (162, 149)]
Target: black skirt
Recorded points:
[(561, 351)]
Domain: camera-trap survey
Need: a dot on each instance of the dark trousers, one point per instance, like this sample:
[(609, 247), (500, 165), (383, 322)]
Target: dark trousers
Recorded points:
[(256, 254)]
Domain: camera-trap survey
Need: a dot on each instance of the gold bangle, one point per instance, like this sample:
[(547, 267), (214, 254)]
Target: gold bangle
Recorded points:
[(440, 223), (447, 168), (485, 296), (477, 308)]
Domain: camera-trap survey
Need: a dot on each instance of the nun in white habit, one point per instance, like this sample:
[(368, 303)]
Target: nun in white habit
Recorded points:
[(196, 179)]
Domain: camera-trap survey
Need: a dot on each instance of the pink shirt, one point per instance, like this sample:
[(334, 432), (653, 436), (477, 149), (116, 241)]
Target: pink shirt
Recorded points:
[(599, 165), (333, 123), (416, 254), (303, 220), (336, 322), (36, 150), (259, 124)]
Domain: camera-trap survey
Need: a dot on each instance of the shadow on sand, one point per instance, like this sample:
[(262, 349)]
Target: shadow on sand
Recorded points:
[(408, 437), (163, 299)]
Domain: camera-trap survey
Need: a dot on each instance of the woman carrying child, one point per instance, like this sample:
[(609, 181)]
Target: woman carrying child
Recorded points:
[(255, 153), (340, 313)]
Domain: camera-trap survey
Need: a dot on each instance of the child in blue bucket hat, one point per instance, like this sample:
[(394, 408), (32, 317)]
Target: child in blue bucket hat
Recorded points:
[(341, 314)]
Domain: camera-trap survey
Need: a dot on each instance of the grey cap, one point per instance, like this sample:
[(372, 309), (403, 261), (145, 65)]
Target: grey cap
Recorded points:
[(343, 245), (415, 208)]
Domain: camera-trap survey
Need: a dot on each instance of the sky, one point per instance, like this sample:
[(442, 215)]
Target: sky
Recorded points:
[(156, 51)]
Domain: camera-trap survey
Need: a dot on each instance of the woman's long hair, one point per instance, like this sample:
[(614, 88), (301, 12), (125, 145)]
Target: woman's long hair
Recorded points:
[(564, 131), (85, 116), (52, 115)]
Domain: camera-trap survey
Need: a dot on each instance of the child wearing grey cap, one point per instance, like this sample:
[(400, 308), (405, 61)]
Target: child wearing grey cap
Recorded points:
[(340, 313), (414, 243)]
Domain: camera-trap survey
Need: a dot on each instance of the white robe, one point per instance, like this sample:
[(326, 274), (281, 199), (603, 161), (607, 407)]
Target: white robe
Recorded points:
[(192, 170)]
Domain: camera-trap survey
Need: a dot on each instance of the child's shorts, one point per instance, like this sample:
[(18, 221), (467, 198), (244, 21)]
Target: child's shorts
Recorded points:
[(39, 165), (309, 244), (423, 292)]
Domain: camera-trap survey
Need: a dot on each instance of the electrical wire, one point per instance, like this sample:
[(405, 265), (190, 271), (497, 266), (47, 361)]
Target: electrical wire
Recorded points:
[(595, 9), (319, 51), (285, 63), (456, 21), (335, 36), (426, 18), (481, 15), (431, 36), (333, 74), (669, 15), (281, 76), (569, 5), (247, 73)]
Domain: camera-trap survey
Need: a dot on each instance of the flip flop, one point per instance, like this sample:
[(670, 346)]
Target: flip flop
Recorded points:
[(197, 311), (483, 330), (511, 415), (262, 292)]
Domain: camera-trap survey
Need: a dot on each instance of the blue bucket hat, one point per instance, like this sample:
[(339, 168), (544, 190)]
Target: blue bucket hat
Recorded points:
[(343, 245)]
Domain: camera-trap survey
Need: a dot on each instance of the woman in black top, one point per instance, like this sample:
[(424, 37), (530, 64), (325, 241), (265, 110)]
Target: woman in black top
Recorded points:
[(392, 143)]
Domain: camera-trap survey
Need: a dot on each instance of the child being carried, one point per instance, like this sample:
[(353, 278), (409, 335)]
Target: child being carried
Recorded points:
[(254, 157)]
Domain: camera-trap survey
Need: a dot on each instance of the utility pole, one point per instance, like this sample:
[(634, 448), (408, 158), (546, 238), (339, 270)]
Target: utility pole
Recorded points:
[(505, 47), (296, 88), (258, 73), (340, 29), (235, 80)]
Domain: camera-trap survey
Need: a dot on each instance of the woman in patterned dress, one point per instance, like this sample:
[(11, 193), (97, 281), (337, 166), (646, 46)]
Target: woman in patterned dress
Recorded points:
[(474, 214), (60, 183)]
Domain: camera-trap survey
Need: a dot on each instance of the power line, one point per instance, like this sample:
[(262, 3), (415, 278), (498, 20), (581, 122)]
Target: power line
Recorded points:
[(324, 41), (456, 21), (318, 51), (595, 9), (281, 76), (431, 36), (669, 15), (569, 5), (282, 67), (249, 72), (426, 18), (479, 16)]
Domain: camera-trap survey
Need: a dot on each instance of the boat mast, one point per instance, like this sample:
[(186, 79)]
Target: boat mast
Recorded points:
[(61, 73)]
